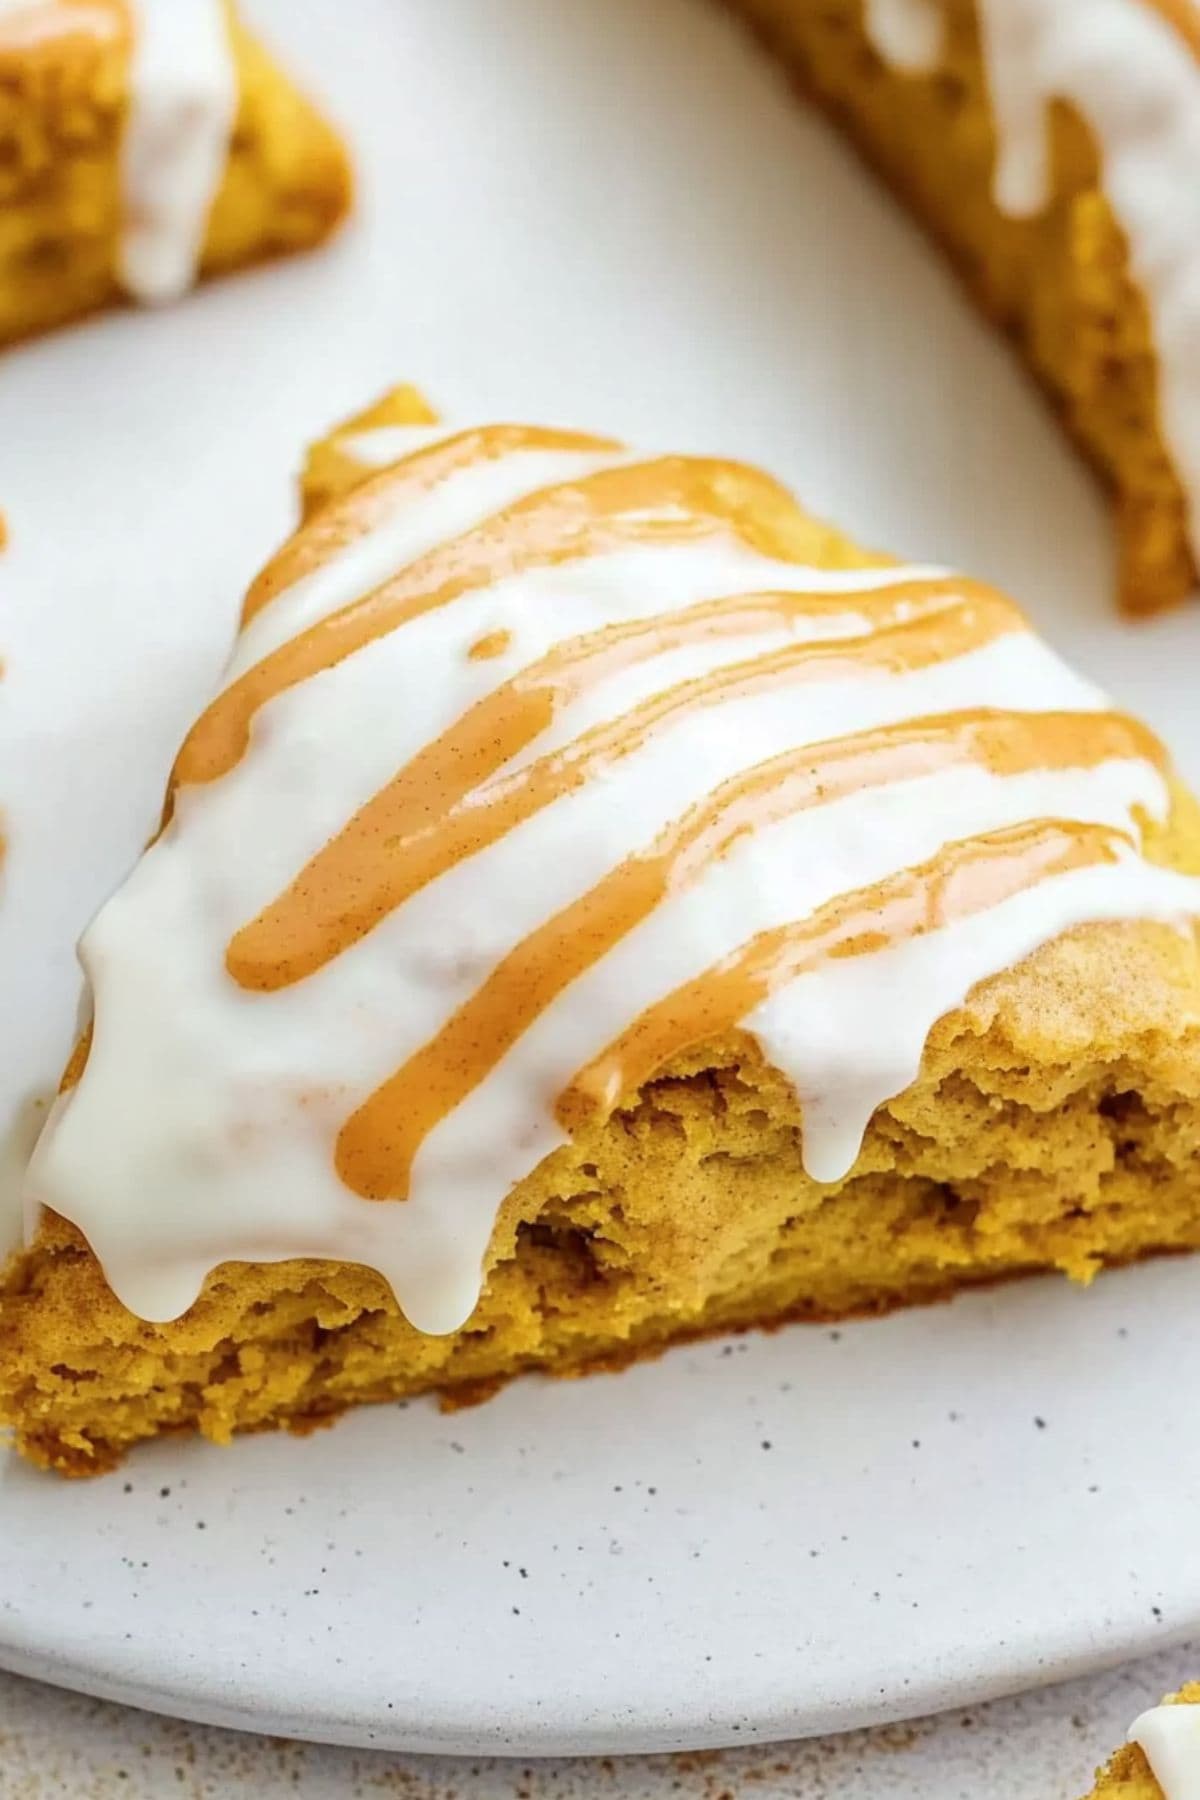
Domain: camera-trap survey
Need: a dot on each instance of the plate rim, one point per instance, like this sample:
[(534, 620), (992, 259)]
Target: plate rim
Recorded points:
[(1025, 1668)]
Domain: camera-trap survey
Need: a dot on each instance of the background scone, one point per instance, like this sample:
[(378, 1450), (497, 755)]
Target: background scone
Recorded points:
[(147, 145), (1163, 1760), (1050, 145), (604, 905)]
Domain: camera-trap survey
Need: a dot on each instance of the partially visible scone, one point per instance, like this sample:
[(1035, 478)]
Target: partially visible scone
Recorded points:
[(1172, 1748), (1065, 209), (143, 145)]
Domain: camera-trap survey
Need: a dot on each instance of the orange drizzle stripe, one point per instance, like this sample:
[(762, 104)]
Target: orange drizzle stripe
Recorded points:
[(963, 878), (417, 827), (377, 1145), (77, 1061), (492, 643), (672, 499), (401, 484)]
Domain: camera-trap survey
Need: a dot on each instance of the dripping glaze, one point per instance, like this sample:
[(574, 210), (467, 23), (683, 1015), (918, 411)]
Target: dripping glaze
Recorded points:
[(182, 103), (538, 763)]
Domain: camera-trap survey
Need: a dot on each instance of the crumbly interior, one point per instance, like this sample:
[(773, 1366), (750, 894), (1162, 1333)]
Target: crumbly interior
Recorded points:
[(1127, 1775), (63, 104), (1059, 282), (1055, 1124)]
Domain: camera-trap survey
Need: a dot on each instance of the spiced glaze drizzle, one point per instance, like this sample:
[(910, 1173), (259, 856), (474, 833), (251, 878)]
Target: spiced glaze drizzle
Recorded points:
[(539, 764)]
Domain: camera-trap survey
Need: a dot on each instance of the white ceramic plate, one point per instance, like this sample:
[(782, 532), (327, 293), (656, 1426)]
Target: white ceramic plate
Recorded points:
[(600, 213)]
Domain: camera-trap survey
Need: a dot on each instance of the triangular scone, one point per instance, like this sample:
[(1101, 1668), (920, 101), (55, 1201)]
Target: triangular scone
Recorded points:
[(151, 144), (1050, 146), (1162, 1760), (604, 905)]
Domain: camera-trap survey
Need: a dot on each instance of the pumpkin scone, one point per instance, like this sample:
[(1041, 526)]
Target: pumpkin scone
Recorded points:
[(147, 143), (1162, 1759), (603, 905), (1051, 145)]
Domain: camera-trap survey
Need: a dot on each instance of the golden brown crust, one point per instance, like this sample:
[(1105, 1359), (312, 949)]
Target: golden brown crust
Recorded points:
[(1059, 283), (62, 109)]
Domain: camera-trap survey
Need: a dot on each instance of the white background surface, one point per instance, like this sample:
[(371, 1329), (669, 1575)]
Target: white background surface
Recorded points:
[(613, 215)]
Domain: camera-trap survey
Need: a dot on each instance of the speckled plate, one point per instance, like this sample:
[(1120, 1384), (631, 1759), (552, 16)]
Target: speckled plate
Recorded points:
[(759, 1538), (608, 214)]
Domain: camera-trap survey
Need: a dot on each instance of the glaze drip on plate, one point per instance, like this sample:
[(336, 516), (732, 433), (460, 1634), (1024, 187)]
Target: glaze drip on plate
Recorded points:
[(540, 763), (1132, 70), (1170, 1739)]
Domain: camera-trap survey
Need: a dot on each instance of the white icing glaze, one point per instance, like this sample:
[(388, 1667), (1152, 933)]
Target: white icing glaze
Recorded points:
[(453, 506), (1170, 1738), (183, 100), (376, 446), (86, 740), (1136, 81), (203, 1128)]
